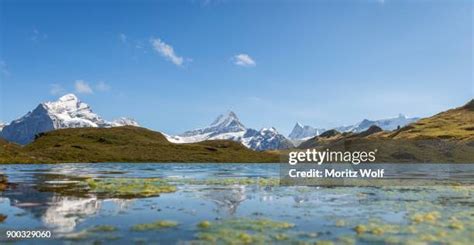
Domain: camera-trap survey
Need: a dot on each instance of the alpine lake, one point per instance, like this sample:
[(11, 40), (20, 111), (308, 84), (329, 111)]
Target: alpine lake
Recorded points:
[(171, 203)]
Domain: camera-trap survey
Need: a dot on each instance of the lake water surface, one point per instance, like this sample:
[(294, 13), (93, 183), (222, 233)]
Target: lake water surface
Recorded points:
[(225, 203)]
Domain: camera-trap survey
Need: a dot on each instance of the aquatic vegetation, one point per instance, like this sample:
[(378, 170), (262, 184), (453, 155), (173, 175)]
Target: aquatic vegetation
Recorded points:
[(346, 240), (377, 231), (427, 217), (324, 242), (376, 228), (204, 224), (157, 225), (232, 181), (246, 231), (360, 229), (80, 186), (281, 237), (103, 228), (229, 236), (96, 234), (130, 187), (259, 224), (456, 225)]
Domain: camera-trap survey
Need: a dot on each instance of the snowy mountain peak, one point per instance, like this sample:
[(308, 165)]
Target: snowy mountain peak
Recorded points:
[(298, 125), (124, 121), (67, 112), (68, 97), (229, 127), (271, 129), (226, 120), (385, 124), (266, 139), (301, 132), (223, 124)]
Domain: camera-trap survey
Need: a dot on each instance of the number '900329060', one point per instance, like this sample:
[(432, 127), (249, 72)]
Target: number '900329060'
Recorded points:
[(25, 234)]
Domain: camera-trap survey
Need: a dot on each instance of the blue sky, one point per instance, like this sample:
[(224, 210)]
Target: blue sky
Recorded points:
[(176, 65)]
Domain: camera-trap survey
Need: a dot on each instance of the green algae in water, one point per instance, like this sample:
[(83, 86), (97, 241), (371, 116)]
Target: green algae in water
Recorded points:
[(232, 181), (103, 228), (246, 231), (157, 225), (98, 234), (323, 242), (80, 186), (130, 187), (204, 224)]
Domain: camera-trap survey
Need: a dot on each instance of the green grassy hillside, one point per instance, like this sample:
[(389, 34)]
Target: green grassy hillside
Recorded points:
[(128, 144), (10, 152), (456, 124), (447, 137)]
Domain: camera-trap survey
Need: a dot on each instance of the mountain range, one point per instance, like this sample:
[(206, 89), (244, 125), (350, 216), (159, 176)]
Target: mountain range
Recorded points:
[(301, 133), (67, 112), (446, 137), (228, 127)]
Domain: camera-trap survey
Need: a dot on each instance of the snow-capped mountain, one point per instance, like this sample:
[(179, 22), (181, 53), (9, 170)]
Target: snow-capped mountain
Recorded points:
[(224, 127), (229, 127), (67, 112), (266, 139), (2, 125), (124, 121), (301, 133), (385, 124), (305, 132)]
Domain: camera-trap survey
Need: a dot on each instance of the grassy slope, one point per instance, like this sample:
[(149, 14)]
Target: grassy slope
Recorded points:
[(456, 124), (446, 137), (10, 152), (133, 144)]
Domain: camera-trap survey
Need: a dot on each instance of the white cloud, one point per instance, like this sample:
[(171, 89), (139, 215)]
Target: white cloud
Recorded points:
[(102, 86), (244, 60), (82, 87), (3, 68), (38, 36), (166, 51), (123, 38), (56, 89)]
